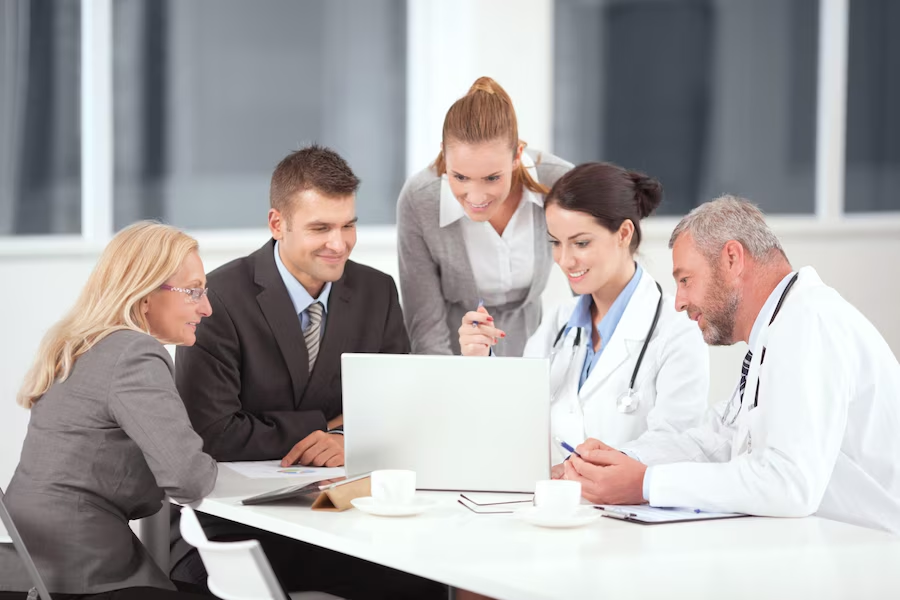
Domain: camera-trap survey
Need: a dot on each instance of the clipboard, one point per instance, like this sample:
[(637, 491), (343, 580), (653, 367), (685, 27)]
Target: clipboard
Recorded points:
[(649, 515)]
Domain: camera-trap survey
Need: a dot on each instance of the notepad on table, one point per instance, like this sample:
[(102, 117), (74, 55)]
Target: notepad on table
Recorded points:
[(487, 503)]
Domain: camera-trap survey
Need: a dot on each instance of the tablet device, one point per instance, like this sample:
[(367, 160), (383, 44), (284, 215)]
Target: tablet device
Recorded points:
[(298, 491)]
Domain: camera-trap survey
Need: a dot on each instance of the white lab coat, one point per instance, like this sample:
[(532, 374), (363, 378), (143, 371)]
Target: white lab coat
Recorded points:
[(672, 383), (824, 437)]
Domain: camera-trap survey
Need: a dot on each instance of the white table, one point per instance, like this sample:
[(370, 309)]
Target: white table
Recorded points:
[(500, 556)]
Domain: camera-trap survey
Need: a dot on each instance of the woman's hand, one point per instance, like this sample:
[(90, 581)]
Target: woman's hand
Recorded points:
[(477, 333)]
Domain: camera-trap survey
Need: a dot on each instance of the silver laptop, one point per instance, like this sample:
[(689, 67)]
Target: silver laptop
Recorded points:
[(13, 533), (461, 423)]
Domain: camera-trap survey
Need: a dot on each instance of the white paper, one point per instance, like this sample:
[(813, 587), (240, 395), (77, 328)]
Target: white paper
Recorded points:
[(272, 469), (650, 514)]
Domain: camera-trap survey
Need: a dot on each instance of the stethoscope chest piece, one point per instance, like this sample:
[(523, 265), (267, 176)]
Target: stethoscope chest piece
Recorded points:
[(628, 402)]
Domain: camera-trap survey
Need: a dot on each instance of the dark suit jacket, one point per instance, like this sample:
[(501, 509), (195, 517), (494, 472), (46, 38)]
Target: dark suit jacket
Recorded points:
[(246, 382)]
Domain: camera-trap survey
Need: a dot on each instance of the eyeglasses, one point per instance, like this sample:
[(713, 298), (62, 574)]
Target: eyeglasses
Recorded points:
[(195, 293)]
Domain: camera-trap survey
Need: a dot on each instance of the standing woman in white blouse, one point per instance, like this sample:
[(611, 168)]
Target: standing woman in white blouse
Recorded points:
[(471, 227)]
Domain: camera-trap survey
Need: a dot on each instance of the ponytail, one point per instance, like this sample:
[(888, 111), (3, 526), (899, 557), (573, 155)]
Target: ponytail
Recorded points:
[(485, 114)]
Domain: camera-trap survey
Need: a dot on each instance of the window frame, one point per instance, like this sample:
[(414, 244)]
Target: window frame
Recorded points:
[(96, 116)]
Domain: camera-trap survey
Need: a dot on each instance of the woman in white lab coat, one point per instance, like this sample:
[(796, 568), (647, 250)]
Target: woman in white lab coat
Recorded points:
[(623, 361)]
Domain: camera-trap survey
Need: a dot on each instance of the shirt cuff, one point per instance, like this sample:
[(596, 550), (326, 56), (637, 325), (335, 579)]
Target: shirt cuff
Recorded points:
[(646, 489), (630, 454), (339, 429)]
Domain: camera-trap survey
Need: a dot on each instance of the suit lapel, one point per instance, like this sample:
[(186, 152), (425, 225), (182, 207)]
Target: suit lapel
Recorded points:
[(542, 255), (629, 335), (467, 289), (278, 310)]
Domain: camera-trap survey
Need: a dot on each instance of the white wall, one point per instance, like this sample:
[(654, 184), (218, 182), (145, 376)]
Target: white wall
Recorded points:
[(40, 288)]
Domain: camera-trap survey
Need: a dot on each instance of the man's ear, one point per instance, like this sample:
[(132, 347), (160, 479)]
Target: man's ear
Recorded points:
[(276, 223), (733, 256)]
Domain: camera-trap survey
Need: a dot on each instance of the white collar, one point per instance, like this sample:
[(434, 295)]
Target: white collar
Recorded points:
[(452, 211), (768, 308)]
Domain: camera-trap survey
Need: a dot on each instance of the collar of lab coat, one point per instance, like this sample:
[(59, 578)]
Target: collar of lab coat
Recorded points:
[(452, 211), (765, 314), (806, 279), (629, 334)]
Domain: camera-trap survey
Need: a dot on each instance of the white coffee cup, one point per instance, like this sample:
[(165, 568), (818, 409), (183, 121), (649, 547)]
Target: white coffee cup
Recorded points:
[(558, 496), (394, 486)]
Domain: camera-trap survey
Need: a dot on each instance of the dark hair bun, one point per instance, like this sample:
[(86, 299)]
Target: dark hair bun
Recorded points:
[(648, 193)]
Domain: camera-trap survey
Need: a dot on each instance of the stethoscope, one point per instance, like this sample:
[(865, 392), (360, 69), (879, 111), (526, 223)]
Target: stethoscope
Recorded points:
[(761, 359), (629, 400)]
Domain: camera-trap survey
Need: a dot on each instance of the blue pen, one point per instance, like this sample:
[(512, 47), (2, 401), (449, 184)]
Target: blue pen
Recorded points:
[(566, 447), (480, 304)]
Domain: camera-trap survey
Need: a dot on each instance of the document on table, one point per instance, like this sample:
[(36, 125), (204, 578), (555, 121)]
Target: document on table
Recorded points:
[(272, 469), (489, 503), (649, 515)]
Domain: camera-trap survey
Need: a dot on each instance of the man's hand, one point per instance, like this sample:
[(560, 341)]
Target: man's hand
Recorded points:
[(557, 471), (607, 476), (318, 449), (335, 422), (591, 444)]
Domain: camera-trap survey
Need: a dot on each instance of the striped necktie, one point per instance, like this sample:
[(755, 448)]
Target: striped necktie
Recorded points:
[(312, 335), (744, 370)]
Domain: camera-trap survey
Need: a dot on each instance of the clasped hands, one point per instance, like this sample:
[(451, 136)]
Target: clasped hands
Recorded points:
[(607, 476)]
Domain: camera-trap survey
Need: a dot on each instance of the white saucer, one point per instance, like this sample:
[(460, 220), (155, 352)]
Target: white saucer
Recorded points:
[(544, 518), (368, 505)]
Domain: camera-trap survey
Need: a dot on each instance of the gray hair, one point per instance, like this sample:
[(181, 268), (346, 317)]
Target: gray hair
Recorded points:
[(714, 224)]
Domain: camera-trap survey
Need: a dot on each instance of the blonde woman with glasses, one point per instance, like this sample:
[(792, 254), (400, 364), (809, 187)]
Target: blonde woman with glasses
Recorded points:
[(109, 437)]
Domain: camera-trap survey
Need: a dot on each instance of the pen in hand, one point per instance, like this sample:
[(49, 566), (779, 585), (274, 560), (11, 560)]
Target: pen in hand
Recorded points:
[(566, 447), (480, 304)]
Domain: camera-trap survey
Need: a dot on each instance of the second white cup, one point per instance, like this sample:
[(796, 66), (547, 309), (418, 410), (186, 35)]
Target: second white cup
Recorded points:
[(558, 496), (395, 486)]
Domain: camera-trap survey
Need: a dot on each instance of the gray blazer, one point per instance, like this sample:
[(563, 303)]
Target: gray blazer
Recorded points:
[(103, 447), (437, 284)]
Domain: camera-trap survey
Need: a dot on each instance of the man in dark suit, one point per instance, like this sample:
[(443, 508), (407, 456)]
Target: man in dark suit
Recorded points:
[(251, 386), (263, 380)]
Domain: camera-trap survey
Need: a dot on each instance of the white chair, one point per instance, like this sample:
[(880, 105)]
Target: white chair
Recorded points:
[(237, 570)]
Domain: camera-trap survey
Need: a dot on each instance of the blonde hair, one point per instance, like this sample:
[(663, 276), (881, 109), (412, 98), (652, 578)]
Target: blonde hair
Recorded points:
[(485, 114), (138, 260)]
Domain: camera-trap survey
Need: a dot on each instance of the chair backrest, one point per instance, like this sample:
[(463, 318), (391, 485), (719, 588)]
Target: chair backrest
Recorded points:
[(236, 570), (22, 551)]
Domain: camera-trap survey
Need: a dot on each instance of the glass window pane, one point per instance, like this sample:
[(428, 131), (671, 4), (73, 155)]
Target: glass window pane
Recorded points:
[(40, 153), (710, 96), (211, 94), (873, 107)]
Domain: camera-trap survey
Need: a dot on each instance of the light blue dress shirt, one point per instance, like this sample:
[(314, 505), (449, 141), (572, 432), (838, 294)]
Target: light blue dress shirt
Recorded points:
[(581, 317), (300, 297)]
